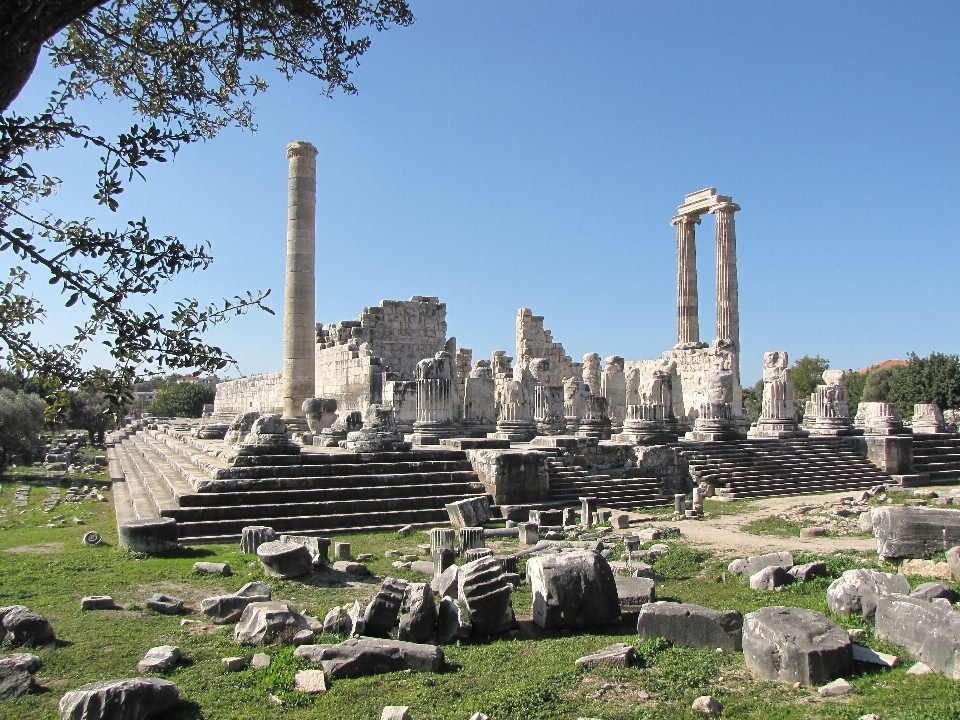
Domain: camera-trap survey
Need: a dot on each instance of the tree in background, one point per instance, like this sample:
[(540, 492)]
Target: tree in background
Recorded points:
[(158, 383), (753, 401), (21, 422), (184, 67), (934, 379), (854, 382), (182, 400), (807, 374), (90, 410), (881, 386)]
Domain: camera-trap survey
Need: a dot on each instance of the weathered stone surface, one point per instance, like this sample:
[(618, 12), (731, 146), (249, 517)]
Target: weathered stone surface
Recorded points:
[(159, 659), (472, 512), (284, 559), (332, 622), (752, 565), (210, 568), (929, 631), (225, 609), (351, 568), (642, 570), (691, 626), (151, 536), (635, 591), (953, 560), (21, 626), (932, 590), (452, 622), (28, 662), (837, 687), (706, 706), (572, 590), (919, 669), (359, 657), (619, 655), (795, 645), (353, 623), (395, 712), (445, 584), (303, 637), (380, 617), (165, 604), (857, 591), (91, 538), (484, 593), (15, 679), (253, 536), (310, 681), (914, 532), (866, 655), (130, 699), (235, 664), (97, 602), (319, 547), (805, 573), (268, 622), (770, 578), (418, 617), (927, 569), (260, 661)]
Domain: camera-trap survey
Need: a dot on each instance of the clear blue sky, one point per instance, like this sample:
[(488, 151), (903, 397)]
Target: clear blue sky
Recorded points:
[(531, 154)]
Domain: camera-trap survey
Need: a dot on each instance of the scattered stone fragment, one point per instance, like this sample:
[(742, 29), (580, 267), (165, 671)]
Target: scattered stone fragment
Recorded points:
[(857, 591), (318, 547), (871, 716), (805, 573), (752, 565), (809, 533), (479, 716), (260, 661), (926, 569), (953, 561), (914, 532), (837, 687), (351, 568), (635, 591), (225, 609), (97, 602), (253, 536), (572, 590), (358, 657), (484, 594), (285, 559), (472, 512), (148, 535), (445, 584), (304, 637), (364, 557), (395, 712), (332, 622), (235, 664), (932, 591), (129, 699), (691, 626), (164, 604), (15, 679), (381, 614), (27, 662), (91, 538), (452, 622), (642, 570), (919, 669), (209, 568), (353, 624), (19, 625), (619, 655), (159, 659), (341, 550), (418, 617), (310, 681), (268, 622), (795, 645), (770, 578), (930, 631), (866, 655), (706, 706), (405, 530)]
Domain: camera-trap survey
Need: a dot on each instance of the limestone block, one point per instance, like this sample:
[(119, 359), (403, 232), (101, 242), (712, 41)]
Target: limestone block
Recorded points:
[(572, 590), (691, 626), (472, 512), (512, 477), (914, 532)]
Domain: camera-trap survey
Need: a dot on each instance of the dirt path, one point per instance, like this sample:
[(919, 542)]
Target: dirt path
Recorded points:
[(725, 535)]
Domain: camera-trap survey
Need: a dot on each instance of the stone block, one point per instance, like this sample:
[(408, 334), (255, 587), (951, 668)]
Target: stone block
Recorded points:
[(151, 536), (635, 591), (418, 616), (619, 655), (770, 578), (253, 536), (512, 477), (752, 565), (164, 604), (210, 568), (484, 593), (795, 645), (857, 591), (929, 631), (691, 626), (914, 532), (953, 561), (268, 622), (572, 590), (805, 573), (931, 591), (891, 453), (359, 657), (310, 682), (224, 609), (472, 512), (285, 559), (159, 659), (380, 617), (132, 698), (97, 602)]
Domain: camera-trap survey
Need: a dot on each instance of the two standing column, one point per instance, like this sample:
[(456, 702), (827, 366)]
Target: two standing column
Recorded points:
[(688, 320)]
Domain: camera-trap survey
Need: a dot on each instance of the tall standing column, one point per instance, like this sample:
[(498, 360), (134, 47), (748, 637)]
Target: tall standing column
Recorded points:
[(688, 321), (299, 303), (728, 304)]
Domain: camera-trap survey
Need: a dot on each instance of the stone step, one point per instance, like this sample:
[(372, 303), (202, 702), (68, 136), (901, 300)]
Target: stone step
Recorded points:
[(140, 499), (151, 482)]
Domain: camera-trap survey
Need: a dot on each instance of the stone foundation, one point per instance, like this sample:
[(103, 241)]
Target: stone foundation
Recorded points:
[(260, 393)]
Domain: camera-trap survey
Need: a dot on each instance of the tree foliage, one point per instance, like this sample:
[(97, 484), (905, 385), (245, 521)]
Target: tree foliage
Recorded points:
[(933, 379), (753, 401), (90, 410), (881, 385), (182, 400), (854, 382), (183, 66), (21, 422), (807, 374)]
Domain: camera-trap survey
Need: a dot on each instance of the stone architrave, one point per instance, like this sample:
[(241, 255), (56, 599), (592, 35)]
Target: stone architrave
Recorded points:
[(879, 418), (777, 418), (827, 412), (299, 307), (436, 388), (688, 320), (927, 419), (614, 389)]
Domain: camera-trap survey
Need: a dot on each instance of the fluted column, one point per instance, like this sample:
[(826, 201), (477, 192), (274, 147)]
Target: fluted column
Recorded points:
[(688, 321), (728, 304), (299, 304)]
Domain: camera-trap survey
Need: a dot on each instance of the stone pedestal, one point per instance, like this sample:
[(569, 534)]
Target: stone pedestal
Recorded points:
[(645, 425), (777, 414), (299, 306), (877, 418), (588, 509), (548, 410), (927, 419), (378, 434), (827, 412), (268, 436), (596, 422), (435, 400), (716, 422)]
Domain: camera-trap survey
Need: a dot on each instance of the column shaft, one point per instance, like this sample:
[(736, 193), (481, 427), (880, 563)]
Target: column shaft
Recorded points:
[(728, 304), (688, 321), (299, 304)]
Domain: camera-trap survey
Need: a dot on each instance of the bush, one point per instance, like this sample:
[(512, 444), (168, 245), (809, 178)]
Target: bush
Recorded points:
[(21, 422), (89, 410), (182, 400), (934, 379)]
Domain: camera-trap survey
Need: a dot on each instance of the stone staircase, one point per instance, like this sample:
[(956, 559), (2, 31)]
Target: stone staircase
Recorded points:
[(165, 473), (938, 456), (570, 482), (765, 468)]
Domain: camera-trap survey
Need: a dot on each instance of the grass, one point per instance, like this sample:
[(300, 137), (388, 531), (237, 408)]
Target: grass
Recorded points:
[(531, 677), (716, 508), (773, 525)]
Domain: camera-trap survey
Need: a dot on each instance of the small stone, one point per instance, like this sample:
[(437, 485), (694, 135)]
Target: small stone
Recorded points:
[(97, 602), (812, 532), (392, 553), (310, 681), (235, 664), (706, 706), (341, 550), (837, 687), (210, 568), (618, 655), (304, 637), (260, 661), (159, 659), (364, 557), (164, 604), (407, 558), (395, 712), (855, 632), (866, 655), (871, 716), (769, 578), (91, 538), (351, 568), (919, 669)]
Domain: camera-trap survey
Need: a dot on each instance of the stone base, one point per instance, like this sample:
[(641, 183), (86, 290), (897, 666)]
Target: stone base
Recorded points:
[(371, 440), (830, 427), (296, 424), (777, 430), (710, 436), (564, 441), (911, 481), (514, 431), (475, 444), (432, 433), (270, 448), (512, 437), (645, 438)]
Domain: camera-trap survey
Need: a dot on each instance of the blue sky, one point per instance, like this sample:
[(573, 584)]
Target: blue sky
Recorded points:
[(531, 154)]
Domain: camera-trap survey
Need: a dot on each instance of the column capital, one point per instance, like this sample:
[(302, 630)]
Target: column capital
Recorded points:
[(679, 219), (301, 148), (724, 206)]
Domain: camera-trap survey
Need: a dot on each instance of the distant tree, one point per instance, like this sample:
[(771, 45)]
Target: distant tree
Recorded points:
[(90, 410), (158, 383), (881, 385), (854, 382), (182, 400), (934, 379), (10, 380), (21, 422), (807, 374), (753, 401)]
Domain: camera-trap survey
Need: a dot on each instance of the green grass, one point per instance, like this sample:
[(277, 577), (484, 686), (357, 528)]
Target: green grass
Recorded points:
[(773, 525), (531, 677), (716, 508)]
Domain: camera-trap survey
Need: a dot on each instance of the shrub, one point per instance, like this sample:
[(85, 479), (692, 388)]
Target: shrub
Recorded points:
[(182, 400), (21, 422)]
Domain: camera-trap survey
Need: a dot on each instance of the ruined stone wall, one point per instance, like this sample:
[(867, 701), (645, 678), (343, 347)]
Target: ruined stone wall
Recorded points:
[(263, 393), (351, 374), (535, 342)]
